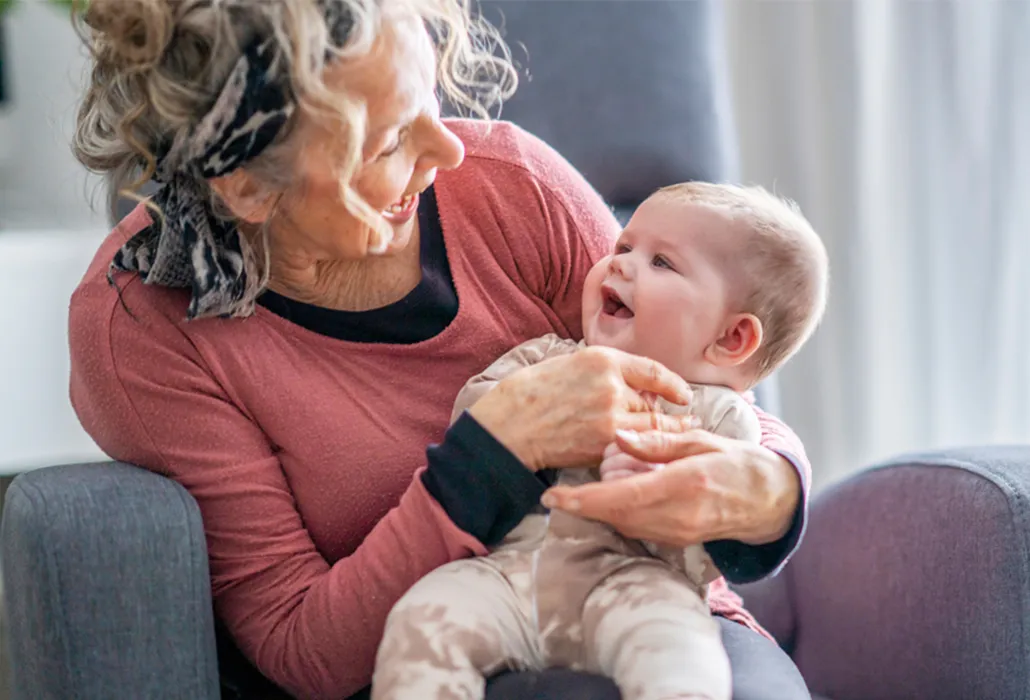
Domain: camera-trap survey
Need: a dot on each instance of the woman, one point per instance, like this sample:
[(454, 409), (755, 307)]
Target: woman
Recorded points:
[(284, 327)]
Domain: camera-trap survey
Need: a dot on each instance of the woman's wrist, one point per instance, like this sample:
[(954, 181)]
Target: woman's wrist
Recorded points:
[(781, 485), (484, 489)]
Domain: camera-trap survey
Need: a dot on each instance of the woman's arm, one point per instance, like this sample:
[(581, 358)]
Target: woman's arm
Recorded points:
[(741, 562), (144, 393)]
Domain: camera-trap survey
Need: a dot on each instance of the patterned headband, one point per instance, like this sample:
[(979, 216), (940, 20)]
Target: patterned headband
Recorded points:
[(194, 248)]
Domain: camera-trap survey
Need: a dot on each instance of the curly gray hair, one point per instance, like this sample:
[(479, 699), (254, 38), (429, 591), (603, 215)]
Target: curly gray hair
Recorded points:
[(159, 66)]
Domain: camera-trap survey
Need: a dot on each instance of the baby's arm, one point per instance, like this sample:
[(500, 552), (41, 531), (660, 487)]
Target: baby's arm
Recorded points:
[(528, 353)]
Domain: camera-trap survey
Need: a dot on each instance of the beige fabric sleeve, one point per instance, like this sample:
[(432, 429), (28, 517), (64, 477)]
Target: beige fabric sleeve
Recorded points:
[(725, 412)]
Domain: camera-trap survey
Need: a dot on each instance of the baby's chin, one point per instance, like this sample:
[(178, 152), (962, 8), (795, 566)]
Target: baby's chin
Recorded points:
[(592, 335)]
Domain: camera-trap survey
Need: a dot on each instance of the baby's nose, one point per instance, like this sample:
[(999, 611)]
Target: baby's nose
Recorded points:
[(619, 266)]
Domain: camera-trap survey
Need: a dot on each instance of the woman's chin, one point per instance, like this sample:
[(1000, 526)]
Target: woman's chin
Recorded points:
[(399, 242)]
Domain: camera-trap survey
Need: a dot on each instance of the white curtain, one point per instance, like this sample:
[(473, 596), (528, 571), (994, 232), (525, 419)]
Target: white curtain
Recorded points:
[(902, 128)]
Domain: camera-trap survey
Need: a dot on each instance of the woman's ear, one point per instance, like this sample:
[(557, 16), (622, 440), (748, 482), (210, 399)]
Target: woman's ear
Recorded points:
[(740, 339), (245, 197)]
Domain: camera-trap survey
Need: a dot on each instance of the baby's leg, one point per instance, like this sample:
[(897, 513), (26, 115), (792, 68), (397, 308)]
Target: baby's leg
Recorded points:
[(452, 629), (647, 628)]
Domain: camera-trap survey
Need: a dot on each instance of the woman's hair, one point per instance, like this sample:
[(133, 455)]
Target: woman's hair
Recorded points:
[(159, 65)]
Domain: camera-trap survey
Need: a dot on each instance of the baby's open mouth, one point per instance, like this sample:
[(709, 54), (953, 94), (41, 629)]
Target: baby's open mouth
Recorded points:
[(613, 305)]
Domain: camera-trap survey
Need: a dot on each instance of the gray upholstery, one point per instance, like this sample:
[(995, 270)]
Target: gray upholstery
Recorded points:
[(634, 94), (913, 582), (105, 580)]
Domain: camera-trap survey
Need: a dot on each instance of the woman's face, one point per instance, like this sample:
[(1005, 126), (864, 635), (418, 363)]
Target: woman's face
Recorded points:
[(405, 143)]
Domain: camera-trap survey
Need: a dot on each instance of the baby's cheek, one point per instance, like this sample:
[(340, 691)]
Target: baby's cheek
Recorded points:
[(592, 289)]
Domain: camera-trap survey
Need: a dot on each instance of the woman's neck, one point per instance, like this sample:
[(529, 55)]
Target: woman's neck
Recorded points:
[(348, 285)]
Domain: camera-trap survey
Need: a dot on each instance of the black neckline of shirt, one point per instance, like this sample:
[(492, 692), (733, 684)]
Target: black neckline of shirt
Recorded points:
[(422, 314)]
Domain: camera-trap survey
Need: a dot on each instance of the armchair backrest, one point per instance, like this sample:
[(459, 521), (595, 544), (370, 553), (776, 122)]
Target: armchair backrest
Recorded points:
[(634, 94)]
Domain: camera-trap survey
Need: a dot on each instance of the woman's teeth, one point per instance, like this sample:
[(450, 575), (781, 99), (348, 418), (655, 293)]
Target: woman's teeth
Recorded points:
[(401, 205)]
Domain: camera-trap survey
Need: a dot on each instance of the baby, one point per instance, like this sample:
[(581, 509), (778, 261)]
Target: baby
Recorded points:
[(721, 284)]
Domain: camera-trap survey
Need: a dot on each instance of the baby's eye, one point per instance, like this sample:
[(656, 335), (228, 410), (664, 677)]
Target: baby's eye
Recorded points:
[(662, 262), (622, 249)]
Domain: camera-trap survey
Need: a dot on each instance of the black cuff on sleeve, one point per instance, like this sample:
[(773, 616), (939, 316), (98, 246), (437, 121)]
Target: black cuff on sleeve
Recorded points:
[(746, 563), (482, 486)]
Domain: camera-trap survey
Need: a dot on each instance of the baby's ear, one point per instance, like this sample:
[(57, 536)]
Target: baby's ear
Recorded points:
[(740, 339), (247, 199)]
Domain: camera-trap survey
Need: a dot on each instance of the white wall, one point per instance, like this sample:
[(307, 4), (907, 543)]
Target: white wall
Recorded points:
[(41, 184), (48, 231)]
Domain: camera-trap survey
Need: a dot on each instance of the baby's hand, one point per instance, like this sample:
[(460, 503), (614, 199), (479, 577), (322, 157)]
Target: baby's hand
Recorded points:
[(616, 464)]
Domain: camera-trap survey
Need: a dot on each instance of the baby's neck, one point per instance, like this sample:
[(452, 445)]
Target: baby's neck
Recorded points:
[(713, 375), (704, 372)]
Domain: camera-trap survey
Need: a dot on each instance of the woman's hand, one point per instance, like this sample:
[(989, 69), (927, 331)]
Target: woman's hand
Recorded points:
[(708, 488), (564, 411)]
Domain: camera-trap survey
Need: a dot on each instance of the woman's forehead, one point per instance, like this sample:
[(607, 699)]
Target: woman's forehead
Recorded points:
[(394, 78)]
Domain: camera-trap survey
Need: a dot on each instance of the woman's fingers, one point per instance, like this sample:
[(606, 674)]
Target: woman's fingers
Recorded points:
[(607, 501), (620, 474), (666, 506), (645, 375), (666, 445), (652, 421)]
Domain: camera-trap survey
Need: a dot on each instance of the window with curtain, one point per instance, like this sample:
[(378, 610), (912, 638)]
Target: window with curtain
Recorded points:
[(903, 130)]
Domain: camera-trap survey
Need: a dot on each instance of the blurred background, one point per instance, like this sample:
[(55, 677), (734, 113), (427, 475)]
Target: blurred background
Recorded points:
[(902, 128)]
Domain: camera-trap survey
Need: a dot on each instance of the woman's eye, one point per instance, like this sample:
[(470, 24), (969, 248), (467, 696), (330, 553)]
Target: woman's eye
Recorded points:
[(662, 262), (396, 146)]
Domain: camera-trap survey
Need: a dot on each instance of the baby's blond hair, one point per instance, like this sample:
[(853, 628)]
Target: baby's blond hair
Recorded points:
[(786, 269)]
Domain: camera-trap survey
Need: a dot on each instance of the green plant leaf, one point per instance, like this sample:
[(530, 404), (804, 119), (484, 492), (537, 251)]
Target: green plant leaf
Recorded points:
[(6, 5)]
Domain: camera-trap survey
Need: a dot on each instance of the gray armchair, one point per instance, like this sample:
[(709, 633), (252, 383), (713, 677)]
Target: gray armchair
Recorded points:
[(912, 582)]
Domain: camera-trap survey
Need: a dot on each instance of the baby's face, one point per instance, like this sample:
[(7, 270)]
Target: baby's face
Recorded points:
[(663, 293)]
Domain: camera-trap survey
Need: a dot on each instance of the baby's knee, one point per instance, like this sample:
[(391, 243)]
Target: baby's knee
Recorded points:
[(445, 614), (436, 597), (656, 637)]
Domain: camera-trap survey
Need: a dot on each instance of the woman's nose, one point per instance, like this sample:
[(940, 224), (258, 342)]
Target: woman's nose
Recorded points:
[(443, 149)]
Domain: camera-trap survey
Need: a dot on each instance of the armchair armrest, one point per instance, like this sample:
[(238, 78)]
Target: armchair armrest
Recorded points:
[(105, 586), (913, 581)]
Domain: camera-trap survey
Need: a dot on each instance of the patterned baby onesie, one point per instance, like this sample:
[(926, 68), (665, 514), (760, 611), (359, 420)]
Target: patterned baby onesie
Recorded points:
[(564, 591)]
